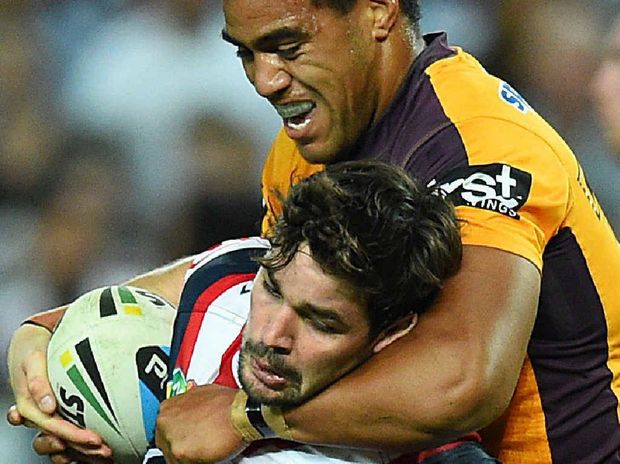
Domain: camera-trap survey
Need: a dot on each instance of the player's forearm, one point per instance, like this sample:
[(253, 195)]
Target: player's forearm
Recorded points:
[(166, 281), (408, 409), (27, 338)]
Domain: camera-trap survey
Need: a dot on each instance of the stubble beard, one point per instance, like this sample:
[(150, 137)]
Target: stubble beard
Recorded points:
[(288, 397)]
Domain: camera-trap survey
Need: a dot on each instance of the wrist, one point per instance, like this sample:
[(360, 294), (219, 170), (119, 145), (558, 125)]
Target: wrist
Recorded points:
[(26, 340), (256, 421), (30, 337), (47, 319)]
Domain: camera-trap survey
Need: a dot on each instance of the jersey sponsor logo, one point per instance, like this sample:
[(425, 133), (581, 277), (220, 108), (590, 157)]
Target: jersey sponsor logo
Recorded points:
[(495, 187), (512, 97), (177, 384), (152, 366)]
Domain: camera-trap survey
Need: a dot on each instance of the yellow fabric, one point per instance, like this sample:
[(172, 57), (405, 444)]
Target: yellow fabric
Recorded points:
[(283, 167)]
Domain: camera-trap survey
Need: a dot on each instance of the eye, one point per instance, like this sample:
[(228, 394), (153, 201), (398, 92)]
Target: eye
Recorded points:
[(289, 52), (269, 286), (323, 326)]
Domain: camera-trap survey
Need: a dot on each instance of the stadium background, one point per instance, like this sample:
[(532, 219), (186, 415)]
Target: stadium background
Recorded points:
[(129, 135)]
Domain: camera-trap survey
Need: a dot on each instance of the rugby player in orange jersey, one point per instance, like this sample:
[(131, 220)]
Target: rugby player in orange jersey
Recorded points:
[(526, 335)]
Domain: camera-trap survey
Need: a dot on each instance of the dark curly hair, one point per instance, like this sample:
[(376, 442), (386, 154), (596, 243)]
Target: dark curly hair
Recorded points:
[(410, 8), (369, 224)]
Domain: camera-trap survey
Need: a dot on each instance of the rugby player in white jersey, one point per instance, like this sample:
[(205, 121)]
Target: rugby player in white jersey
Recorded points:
[(359, 251)]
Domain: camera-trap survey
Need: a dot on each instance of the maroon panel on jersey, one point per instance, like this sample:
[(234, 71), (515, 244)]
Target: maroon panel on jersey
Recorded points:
[(568, 350)]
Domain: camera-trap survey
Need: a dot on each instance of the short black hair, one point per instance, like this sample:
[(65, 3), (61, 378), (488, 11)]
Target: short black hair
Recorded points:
[(410, 8), (368, 223)]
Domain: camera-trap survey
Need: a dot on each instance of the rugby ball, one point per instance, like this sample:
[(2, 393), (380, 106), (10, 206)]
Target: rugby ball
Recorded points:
[(108, 365)]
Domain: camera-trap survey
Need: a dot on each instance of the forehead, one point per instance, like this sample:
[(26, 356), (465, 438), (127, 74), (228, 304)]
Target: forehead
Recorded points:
[(260, 17), (303, 281)]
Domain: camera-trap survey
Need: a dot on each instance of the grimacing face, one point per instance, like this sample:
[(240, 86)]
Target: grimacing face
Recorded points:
[(306, 329), (314, 65)]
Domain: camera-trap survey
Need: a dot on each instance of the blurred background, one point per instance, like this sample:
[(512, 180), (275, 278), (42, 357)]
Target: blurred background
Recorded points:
[(129, 135)]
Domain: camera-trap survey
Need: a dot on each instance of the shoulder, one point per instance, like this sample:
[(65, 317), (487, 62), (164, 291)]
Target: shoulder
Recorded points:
[(224, 265), (231, 251), (283, 167), (284, 163)]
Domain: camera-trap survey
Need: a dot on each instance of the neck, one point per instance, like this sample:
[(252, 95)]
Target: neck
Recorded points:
[(397, 56)]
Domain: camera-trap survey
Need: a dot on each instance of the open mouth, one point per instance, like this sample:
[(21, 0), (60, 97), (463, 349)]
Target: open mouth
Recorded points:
[(296, 116), (266, 375)]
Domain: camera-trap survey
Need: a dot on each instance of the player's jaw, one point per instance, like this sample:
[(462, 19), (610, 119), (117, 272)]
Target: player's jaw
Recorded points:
[(308, 122), (266, 378), (318, 129)]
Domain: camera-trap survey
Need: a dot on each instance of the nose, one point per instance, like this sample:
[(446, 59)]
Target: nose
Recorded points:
[(278, 332), (269, 74)]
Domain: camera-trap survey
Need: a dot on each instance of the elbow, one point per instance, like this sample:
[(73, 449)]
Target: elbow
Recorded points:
[(473, 399)]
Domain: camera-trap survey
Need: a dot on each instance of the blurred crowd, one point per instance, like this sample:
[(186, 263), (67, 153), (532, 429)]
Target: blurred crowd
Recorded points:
[(129, 135)]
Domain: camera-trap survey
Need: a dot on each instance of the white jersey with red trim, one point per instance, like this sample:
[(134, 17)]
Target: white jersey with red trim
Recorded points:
[(214, 307)]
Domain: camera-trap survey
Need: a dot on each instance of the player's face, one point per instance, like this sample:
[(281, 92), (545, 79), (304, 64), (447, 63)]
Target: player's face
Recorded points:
[(306, 329), (314, 65), (606, 90)]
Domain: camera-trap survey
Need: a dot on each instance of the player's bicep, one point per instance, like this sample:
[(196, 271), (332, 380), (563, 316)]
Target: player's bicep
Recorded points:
[(488, 308)]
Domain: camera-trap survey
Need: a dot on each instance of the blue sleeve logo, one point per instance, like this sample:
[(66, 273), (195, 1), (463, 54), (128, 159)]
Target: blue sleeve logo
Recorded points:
[(512, 97), (152, 365)]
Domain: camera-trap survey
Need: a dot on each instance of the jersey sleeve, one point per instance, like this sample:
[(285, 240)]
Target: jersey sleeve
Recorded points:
[(283, 167), (514, 193)]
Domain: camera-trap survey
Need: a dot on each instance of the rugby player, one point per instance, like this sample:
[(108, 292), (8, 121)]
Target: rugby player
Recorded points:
[(525, 337), (357, 254)]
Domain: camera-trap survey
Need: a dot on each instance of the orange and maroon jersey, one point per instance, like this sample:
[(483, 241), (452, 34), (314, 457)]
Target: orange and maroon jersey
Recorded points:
[(518, 188)]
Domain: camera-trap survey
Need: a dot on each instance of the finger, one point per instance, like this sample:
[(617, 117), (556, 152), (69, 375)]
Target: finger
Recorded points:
[(60, 453), (44, 444), (13, 416), (99, 451), (162, 444), (61, 459), (57, 426), (65, 430), (76, 456), (29, 424), (39, 387), (30, 413)]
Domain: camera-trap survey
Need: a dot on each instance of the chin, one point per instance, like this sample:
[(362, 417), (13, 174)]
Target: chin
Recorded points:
[(317, 153)]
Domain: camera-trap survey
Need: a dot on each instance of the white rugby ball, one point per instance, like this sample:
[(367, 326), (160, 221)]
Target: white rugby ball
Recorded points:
[(108, 365)]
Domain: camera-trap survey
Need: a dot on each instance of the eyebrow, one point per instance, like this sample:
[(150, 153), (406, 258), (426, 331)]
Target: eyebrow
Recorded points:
[(268, 40), (308, 308), (322, 313), (272, 278), (228, 38)]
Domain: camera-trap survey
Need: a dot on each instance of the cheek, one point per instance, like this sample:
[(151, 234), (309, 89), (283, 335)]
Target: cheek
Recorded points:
[(331, 362), (256, 316)]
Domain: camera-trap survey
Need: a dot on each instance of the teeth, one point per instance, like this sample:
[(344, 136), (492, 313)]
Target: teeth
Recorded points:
[(293, 109), (298, 126)]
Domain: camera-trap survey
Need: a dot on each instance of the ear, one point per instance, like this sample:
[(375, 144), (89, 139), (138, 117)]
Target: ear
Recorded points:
[(385, 14), (393, 333)]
